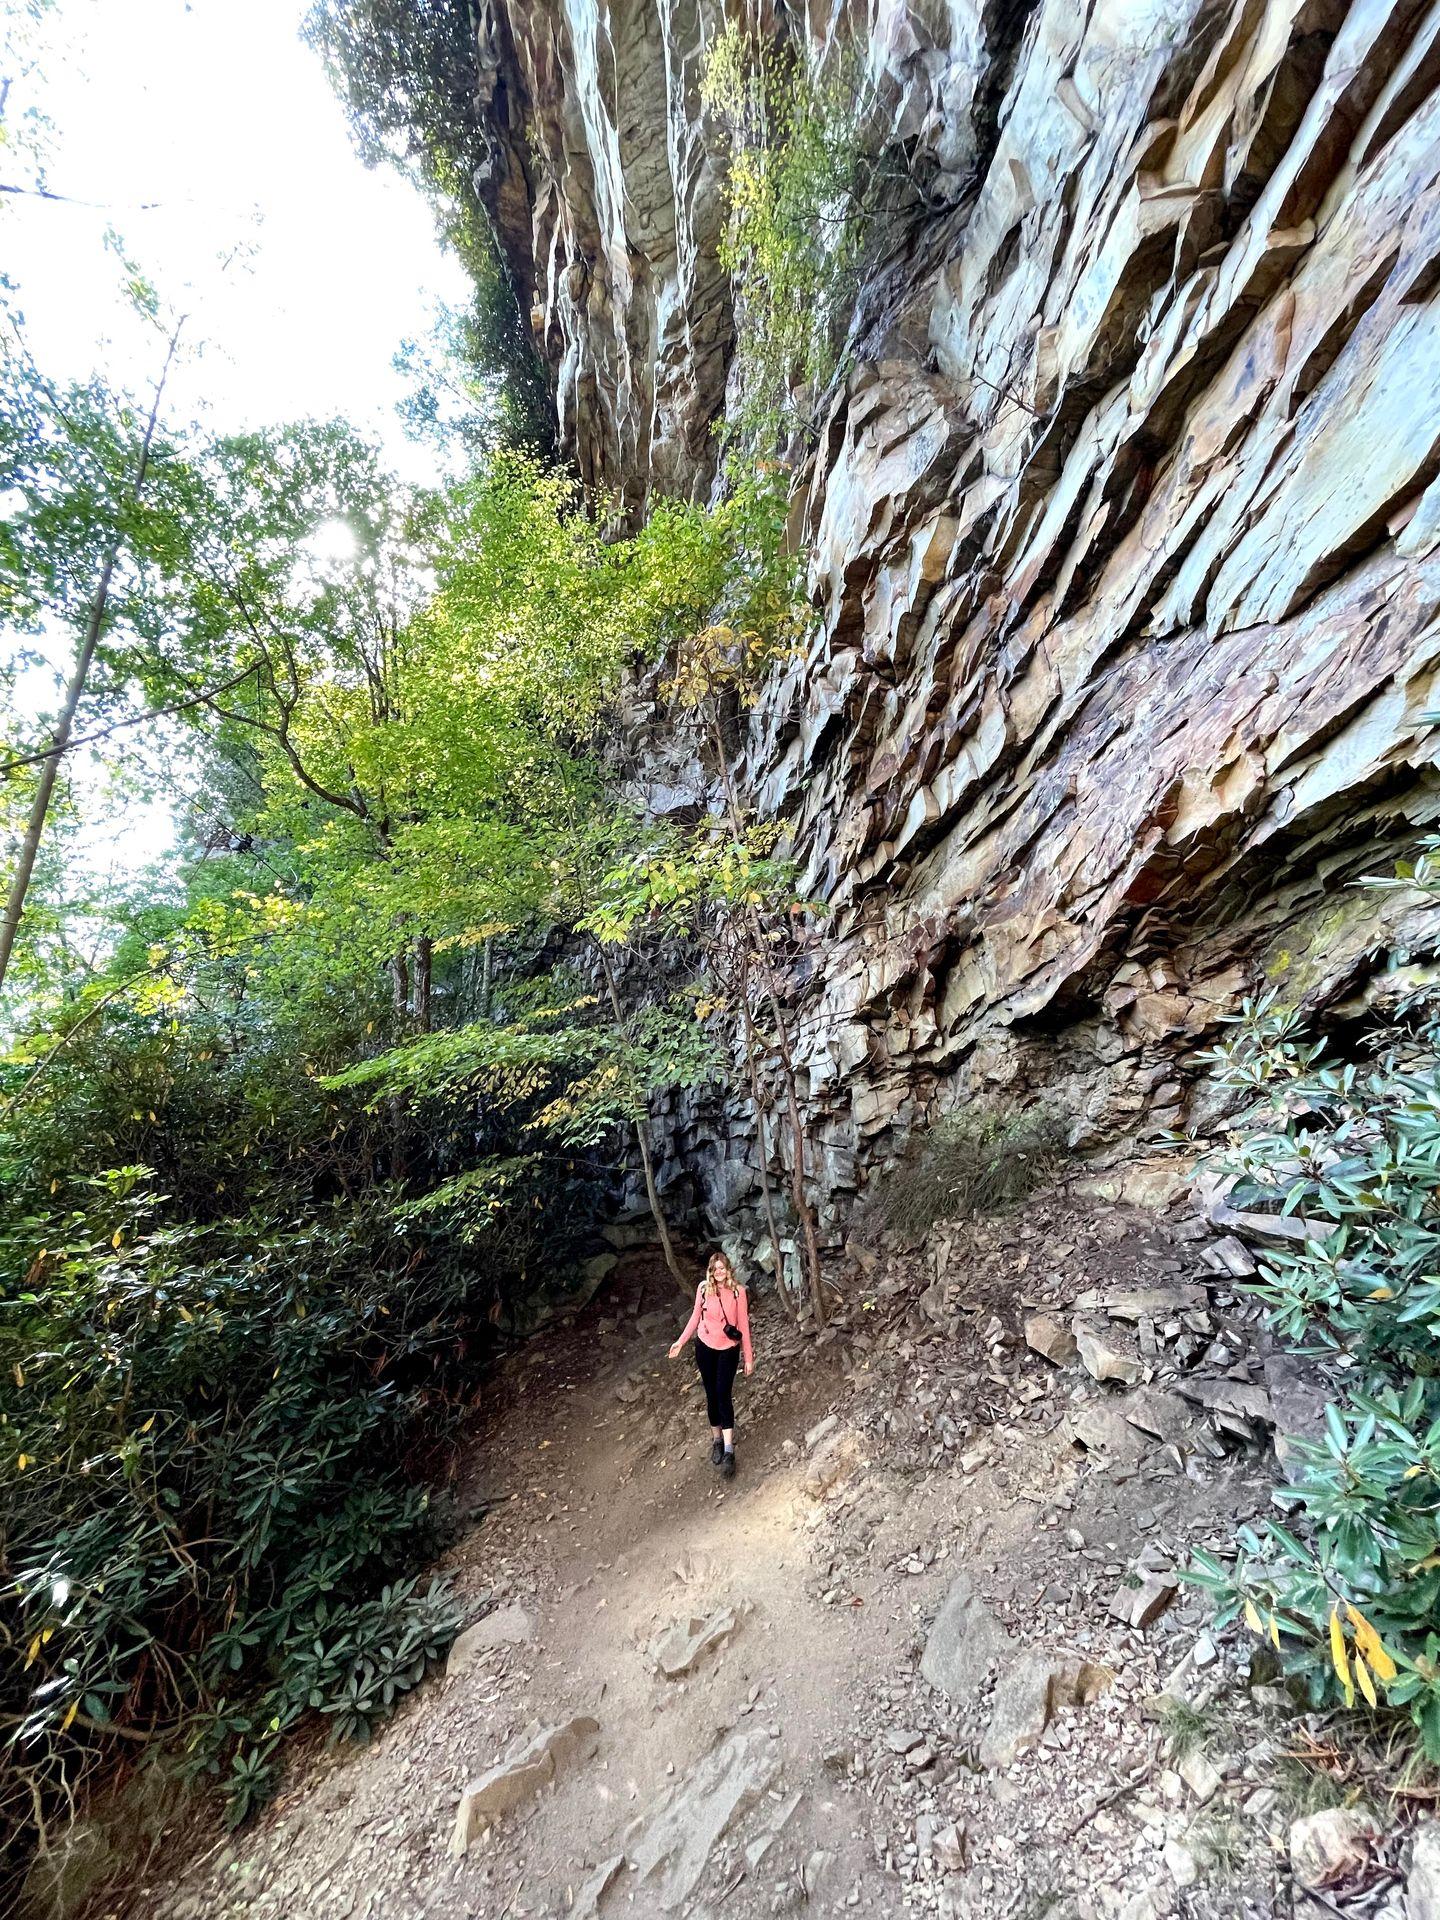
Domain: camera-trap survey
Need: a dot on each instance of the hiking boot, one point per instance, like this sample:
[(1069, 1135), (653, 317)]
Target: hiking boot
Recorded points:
[(717, 1453), (727, 1466)]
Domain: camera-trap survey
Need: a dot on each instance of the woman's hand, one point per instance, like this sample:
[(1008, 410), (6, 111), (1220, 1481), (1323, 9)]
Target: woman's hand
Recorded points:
[(675, 1350), (749, 1368)]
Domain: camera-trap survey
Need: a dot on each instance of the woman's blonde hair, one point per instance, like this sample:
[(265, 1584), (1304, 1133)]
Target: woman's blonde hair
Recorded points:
[(719, 1259)]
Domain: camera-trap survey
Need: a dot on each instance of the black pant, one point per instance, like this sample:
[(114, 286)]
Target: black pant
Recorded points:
[(717, 1369)]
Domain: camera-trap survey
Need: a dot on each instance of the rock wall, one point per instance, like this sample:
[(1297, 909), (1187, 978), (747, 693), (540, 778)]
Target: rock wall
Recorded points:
[(1126, 522)]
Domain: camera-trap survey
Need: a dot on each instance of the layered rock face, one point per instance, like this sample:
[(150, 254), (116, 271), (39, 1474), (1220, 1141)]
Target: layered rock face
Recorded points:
[(1125, 521), (608, 202)]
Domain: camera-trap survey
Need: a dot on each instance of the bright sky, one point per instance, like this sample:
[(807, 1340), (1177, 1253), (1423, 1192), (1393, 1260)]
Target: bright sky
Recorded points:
[(215, 110)]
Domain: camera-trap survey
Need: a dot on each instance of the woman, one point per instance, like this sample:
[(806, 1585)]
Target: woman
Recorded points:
[(721, 1325)]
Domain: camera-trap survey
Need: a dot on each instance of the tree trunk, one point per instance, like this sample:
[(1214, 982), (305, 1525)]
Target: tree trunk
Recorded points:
[(75, 689), (400, 989), (642, 1140), (395, 1105), (487, 971), (424, 968), (50, 766), (797, 1175)]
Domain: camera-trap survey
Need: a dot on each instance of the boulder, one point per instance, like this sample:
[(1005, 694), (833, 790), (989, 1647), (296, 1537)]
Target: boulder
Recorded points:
[(1051, 1339), (965, 1637), (508, 1626), (624, 1234), (1104, 1362), (1241, 1400), (1228, 1256), (1422, 1886), (1019, 1709), (681, 1647), (1203, 1779), (1151, 1184), (1327, 1847), (670, 1847), (593, 1890), (1104, 1431), (532, 1763), (1081, 1683), (1163, 1415), (947, 1847), (1137, 1303), (1298, 1398), (1140, 1600), (1183, 1867), (1141, 1906), (831, 1461)]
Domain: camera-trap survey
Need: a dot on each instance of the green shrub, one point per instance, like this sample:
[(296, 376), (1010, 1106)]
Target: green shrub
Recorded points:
[(1349, 1590), (205, 1435), (977, 1160), (237, 1314), (409, 74)]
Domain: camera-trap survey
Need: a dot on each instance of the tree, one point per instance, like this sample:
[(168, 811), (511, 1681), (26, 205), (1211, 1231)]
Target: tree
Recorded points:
[(85, 471), (409, 71)]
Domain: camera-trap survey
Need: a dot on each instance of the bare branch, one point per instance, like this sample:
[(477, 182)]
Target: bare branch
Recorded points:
[(132, 720)]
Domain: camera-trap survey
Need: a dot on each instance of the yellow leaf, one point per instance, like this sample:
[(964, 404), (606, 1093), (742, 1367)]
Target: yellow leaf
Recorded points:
[(32, 1652), (186, 1316), (1410, 1472), (70, 1714), (19, 1373), (1274, 1631), (1370, 1644), (22, 1462), (147, 1426), (117, 1237), (1252, 1617), (1382, 1663), (1338, 1657), (1367, 1685)]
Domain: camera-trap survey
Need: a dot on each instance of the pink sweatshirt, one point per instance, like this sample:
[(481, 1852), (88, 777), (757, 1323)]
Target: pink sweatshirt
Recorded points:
[(707, 1320)]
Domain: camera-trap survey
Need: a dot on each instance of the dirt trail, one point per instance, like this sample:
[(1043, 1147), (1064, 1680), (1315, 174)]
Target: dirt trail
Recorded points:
[(951, 1461)]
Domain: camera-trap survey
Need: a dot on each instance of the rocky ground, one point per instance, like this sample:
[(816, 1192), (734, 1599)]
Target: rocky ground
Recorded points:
[(927, 1653)]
